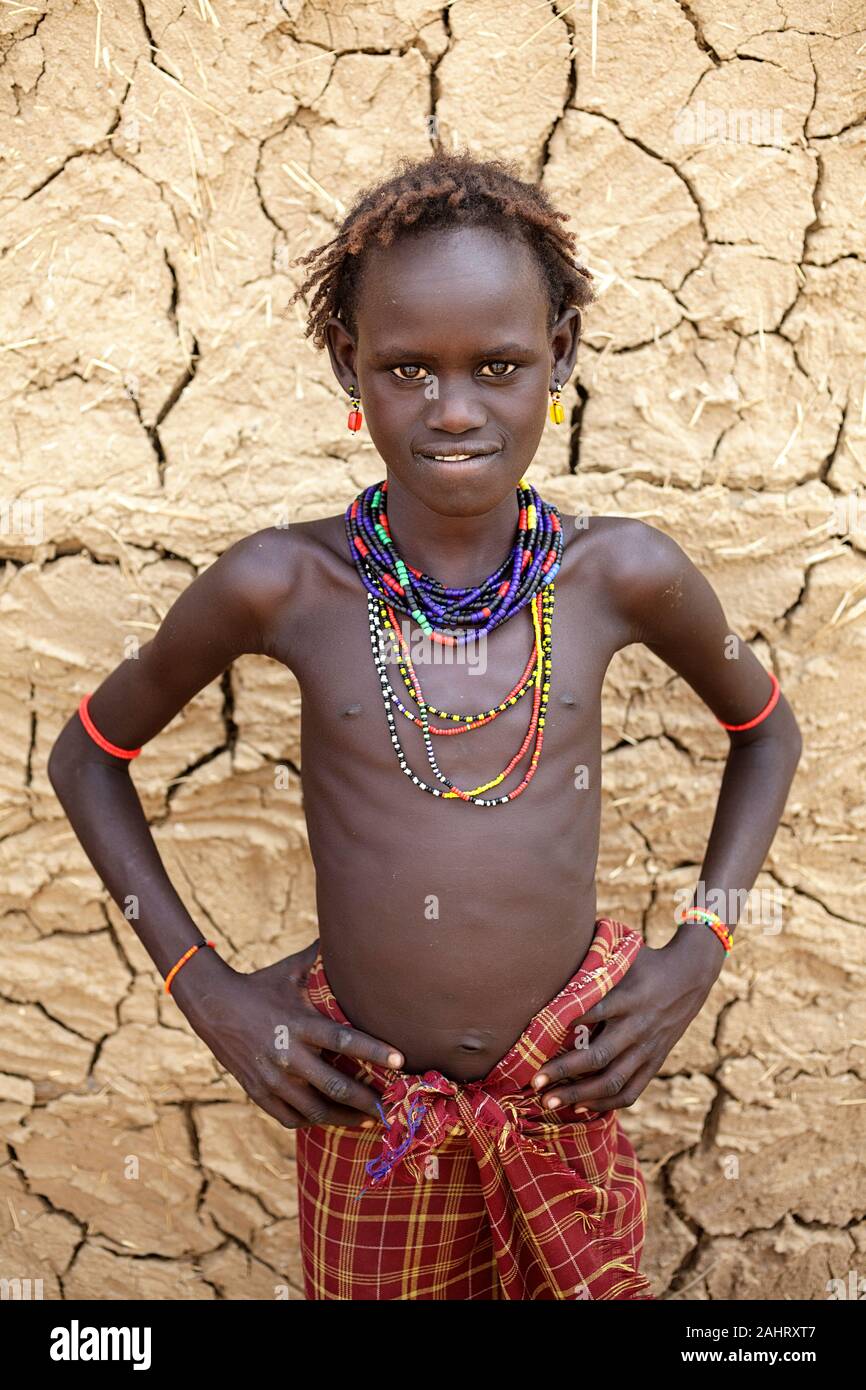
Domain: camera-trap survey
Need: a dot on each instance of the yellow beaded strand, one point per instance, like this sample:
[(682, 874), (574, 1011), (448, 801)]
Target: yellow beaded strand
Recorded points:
[(538, 673)]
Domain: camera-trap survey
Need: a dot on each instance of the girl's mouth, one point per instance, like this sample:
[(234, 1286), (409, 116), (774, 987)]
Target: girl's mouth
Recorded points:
[(474, 455)]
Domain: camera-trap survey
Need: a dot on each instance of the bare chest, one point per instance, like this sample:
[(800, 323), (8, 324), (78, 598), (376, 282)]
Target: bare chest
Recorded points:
[(352, 677)]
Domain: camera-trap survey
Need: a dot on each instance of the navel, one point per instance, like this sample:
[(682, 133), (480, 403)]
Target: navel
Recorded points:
[(568, 698), (350, 710)]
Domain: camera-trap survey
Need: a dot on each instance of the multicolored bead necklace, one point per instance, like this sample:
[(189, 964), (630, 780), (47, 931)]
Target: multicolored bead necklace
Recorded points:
[(535, 557), (524, 577)]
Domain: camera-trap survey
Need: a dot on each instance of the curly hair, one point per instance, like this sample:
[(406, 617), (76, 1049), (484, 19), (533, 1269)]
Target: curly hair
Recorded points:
[(448, 189)]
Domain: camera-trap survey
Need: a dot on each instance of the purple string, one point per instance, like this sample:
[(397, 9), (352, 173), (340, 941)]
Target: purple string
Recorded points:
[(378, 1168)]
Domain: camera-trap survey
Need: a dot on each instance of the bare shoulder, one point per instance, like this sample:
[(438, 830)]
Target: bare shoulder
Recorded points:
[(627, 553), (265, 565), (265, 583), (636, 567), (257, 569)]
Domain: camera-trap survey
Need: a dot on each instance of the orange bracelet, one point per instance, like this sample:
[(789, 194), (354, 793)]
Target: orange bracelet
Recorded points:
[(183, 960), (768, 708), (84, 716)]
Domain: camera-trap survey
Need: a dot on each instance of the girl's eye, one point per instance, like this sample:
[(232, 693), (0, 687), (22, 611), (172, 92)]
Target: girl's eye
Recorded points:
[(411, 367), (421, 375), (513, 365)]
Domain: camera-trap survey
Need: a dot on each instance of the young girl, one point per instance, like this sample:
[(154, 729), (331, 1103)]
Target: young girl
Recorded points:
[(476, 1154)]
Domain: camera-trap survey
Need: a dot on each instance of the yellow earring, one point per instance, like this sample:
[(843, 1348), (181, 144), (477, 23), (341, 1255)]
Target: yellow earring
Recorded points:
[(557, 414)]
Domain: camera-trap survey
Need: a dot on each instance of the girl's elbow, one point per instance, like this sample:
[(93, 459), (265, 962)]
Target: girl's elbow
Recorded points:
[(58, 757), (796, 741), (792, 732), (54, 765)]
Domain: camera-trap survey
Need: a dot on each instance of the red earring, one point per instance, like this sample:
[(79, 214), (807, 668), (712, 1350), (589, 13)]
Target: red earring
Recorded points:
[(355, 417)]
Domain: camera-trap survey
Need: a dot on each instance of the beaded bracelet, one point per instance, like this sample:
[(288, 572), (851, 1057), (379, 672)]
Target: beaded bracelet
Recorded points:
[(184, 958), (84, 715), (698, 916)]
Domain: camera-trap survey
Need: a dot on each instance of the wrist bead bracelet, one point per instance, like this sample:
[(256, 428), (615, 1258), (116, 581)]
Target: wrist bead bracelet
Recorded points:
[(183, 960), (698, 916)]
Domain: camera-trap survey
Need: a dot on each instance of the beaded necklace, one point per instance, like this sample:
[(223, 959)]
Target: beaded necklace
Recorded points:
[(534, 559), (524, 577)]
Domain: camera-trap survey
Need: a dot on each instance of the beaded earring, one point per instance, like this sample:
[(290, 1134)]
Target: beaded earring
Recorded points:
[(355, 416), (557, 414)]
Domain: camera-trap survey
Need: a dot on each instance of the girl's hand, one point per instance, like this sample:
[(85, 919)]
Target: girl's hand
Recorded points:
[(642, 1018), (264, 1030)]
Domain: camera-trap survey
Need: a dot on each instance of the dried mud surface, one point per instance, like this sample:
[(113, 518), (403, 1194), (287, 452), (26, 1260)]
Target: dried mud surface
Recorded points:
[(161, 163)]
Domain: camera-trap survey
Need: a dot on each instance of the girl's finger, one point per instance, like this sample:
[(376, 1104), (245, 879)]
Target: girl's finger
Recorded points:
[(603, 1052), (622, 998), (635, 1088), (313, 1106), (334, 1085), (322, 1032), (277, 1108), (605, 1085)]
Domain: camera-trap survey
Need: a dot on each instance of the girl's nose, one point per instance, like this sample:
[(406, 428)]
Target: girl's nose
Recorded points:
[(453, 409)]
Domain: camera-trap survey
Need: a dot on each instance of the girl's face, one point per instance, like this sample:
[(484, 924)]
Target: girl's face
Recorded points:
[(453, 356)]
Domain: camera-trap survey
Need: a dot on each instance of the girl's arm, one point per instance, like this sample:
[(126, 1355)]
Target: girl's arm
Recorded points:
[(663, 601), (226, 611), (261, 1026), (668, 605)]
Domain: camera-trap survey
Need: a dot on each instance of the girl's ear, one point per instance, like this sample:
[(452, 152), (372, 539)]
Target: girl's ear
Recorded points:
[(342, 350), (564, 340)]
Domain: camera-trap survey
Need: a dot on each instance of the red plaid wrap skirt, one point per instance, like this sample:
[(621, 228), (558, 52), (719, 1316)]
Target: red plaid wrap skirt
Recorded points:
[(469, 1190)]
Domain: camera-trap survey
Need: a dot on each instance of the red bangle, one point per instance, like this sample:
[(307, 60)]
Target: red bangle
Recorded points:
[(97, 736), (183, 960), (770, 705)]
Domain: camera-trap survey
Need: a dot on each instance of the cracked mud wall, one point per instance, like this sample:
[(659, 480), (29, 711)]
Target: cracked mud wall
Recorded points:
[(161, 164)]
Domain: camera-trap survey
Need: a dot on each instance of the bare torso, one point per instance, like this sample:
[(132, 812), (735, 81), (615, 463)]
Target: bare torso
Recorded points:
[(445, 926)]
